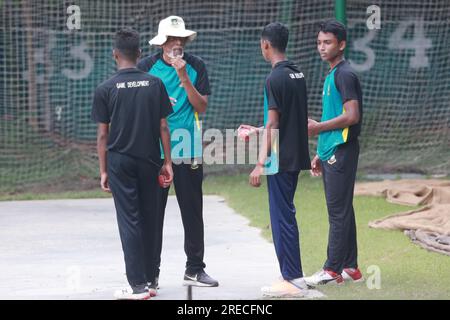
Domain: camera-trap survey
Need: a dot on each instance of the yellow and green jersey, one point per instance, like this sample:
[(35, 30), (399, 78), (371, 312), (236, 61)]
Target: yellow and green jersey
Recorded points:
[(341, 85)]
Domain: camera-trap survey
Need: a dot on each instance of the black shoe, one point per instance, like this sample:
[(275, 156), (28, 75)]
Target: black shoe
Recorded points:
[(200, 279)]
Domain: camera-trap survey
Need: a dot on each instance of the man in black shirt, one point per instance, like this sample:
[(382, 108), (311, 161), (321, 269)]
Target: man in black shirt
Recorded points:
[(130, 109), (337, 155), (285, 111)]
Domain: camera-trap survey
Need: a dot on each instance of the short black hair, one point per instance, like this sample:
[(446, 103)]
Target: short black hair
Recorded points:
[(127, 42), (277, 34), (335, 27)]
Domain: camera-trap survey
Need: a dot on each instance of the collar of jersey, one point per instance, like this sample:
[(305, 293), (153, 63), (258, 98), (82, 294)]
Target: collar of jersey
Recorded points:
[(340, 62)]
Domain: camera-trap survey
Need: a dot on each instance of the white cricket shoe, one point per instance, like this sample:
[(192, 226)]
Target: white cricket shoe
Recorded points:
[(323, 277)]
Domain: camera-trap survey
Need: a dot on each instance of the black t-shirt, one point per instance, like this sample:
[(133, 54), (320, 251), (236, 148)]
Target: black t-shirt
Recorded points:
[(286, 93), (133, 103), (349, 87)]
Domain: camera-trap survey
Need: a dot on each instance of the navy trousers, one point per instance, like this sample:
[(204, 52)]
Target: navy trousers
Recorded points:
[(281, 187)]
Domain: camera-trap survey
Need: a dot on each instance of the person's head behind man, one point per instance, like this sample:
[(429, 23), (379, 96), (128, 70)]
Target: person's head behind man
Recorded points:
[(126, 46), (274, 40), (331, 40)]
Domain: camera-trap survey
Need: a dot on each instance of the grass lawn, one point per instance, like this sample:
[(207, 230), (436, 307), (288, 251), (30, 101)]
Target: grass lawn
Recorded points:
[(406, 270)]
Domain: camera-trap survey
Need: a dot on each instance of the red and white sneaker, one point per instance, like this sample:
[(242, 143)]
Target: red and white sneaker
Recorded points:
[(352, 274), (324, 277)]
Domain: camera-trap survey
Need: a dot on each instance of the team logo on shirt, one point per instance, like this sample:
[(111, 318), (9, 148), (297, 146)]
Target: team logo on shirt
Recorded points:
[(132, 84), (297, 75), (194, 165), (332, 160), (173, 101)]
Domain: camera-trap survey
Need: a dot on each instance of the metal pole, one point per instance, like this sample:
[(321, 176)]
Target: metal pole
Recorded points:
[(189, 293), (341, 16), (340, 11)]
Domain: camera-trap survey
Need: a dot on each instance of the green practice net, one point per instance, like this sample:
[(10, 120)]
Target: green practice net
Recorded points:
[(49, 73)]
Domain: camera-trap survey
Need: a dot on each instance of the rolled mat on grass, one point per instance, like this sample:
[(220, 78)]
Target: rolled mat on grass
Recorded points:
[(428, 226)]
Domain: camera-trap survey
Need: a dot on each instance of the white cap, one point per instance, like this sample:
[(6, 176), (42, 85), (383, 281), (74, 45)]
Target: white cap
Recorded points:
[(172, 26)]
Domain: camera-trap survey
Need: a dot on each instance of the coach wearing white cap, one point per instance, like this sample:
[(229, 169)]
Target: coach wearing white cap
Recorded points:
[(172, 26), (187, 84)]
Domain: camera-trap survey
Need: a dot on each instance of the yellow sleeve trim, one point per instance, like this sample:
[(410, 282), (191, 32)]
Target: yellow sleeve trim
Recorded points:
[(345, 131), (345, 134), (197, 121)]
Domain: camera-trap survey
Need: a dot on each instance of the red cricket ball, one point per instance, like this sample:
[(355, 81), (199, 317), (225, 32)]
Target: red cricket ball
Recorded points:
[(161, 180)]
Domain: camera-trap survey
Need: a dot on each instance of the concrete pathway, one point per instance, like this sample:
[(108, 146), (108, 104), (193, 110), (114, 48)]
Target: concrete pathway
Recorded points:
[(70, 249)]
